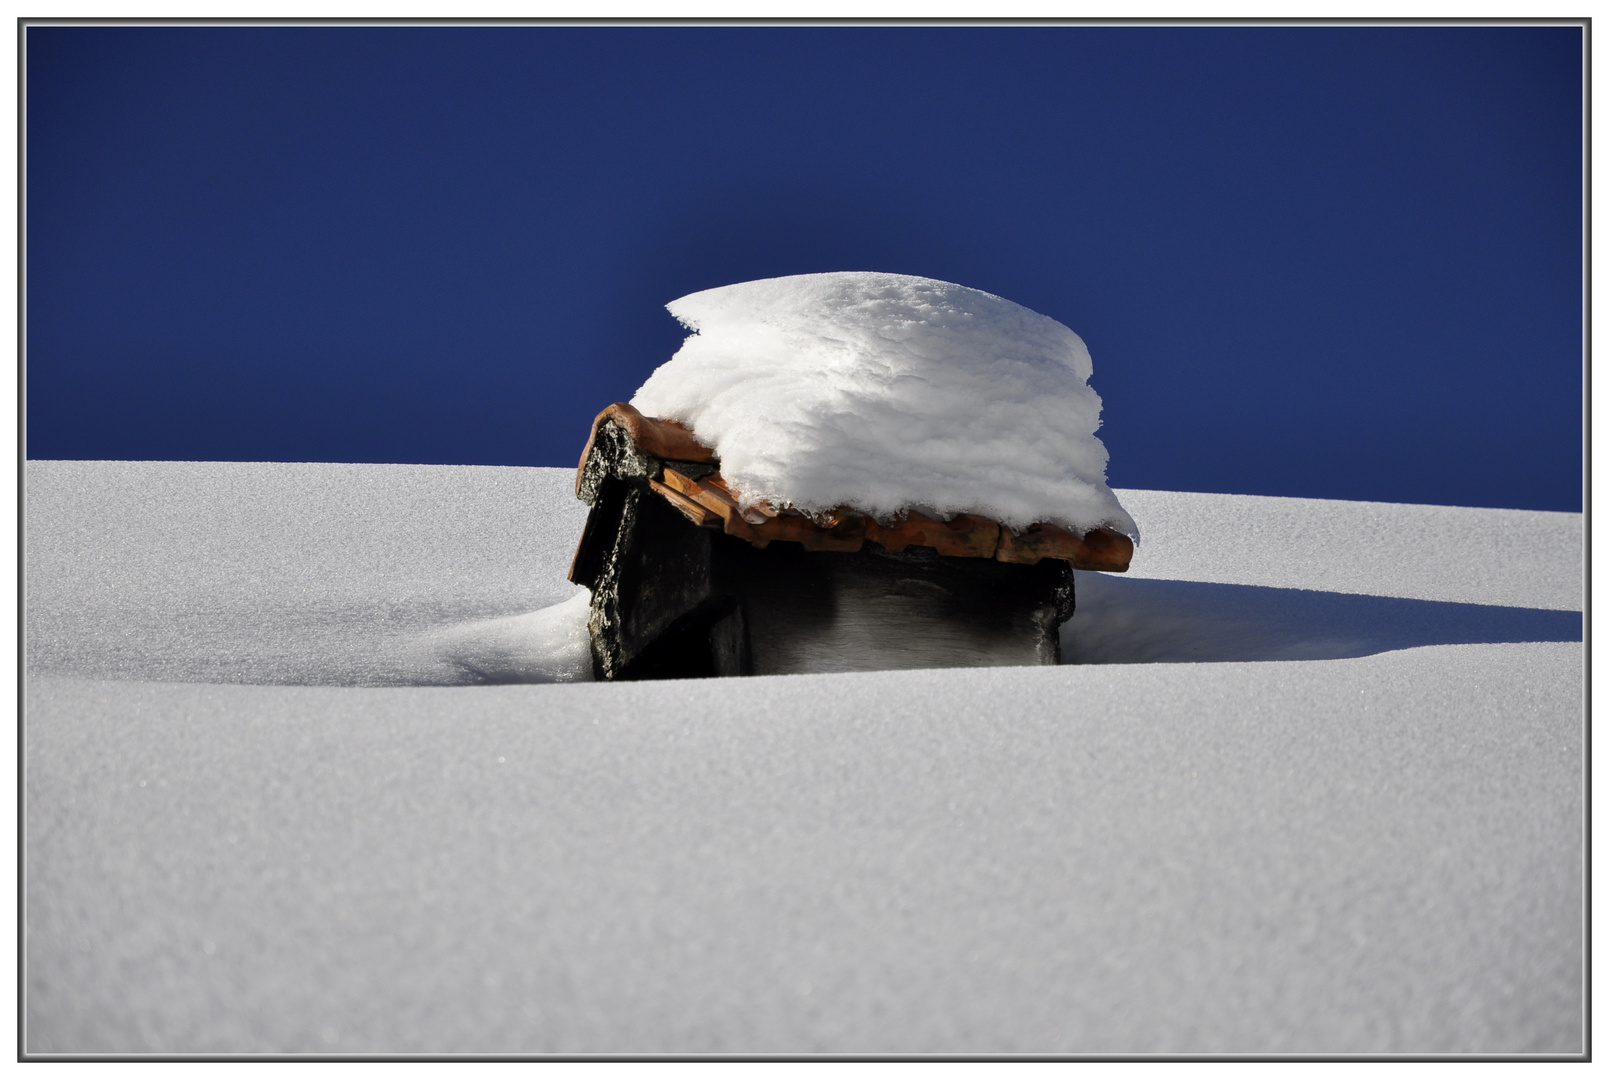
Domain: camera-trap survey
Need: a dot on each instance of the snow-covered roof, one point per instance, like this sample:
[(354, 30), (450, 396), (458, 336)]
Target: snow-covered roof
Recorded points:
[(887, 393), (687, 474)]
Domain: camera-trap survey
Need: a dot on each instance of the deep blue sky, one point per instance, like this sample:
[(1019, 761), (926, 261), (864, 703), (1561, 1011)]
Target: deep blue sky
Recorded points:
[(1336, 262)]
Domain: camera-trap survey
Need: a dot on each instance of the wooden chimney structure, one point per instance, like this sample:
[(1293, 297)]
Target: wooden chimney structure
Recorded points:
[(684, 584)]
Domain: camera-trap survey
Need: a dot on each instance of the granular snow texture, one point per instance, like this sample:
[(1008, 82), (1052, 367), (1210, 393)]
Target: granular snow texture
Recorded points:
[(347, 575), (1374, 855), (886, 393)]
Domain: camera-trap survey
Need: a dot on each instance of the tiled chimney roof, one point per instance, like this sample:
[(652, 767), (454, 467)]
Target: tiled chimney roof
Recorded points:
[(686, 473)]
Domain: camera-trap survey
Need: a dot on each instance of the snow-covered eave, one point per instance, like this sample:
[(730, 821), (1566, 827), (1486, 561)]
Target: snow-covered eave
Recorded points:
[(686, 473)]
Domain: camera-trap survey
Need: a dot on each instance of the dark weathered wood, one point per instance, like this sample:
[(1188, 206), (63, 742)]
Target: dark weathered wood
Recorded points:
[(598, 536), (656, 580), (685, 582), (676, 600), (873, 610)]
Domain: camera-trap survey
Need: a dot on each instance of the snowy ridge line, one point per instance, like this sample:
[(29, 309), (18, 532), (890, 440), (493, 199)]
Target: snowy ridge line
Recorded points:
[(398, 575)]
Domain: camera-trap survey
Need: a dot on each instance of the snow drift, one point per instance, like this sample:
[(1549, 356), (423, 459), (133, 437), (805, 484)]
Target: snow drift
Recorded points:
[(1369, 856), (887, 393)]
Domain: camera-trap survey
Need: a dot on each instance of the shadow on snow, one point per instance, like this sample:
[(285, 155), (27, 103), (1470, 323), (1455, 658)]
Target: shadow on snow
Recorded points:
[(1148, 621)]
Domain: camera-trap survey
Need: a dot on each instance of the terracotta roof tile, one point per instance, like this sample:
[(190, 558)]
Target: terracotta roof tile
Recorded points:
[(709, 502)]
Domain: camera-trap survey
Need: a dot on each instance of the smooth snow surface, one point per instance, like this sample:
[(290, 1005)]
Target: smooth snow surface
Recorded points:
[(345, 575), (1273, 853), (885, 393)]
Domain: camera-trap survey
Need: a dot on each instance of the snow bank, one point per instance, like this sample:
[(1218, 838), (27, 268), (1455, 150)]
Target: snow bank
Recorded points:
[(550, 645), (1365, 856), (886, 393), (453, 575)]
